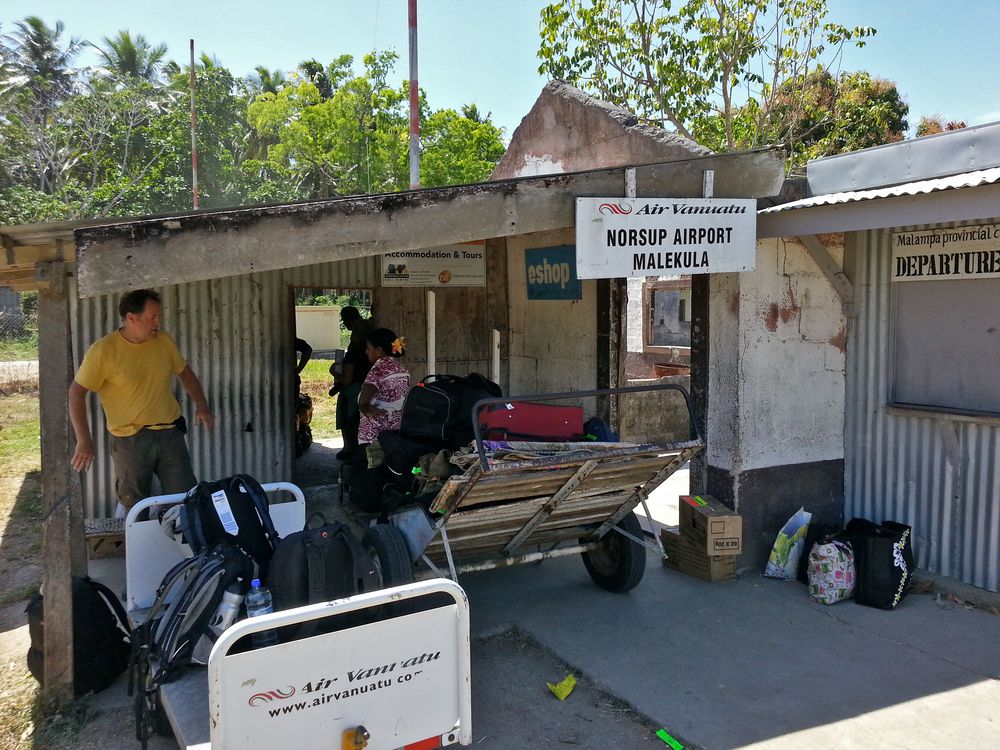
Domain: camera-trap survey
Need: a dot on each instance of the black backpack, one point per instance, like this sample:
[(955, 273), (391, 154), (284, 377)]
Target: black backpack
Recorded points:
[(315, 565), (101, 643), (234, 510), (168, 639)]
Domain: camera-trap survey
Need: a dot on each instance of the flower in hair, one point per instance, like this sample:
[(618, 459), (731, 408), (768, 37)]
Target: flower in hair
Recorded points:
[(398, 345)]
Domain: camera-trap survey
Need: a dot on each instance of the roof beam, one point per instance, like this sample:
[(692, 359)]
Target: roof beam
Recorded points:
[(838, 280), (208, 245)]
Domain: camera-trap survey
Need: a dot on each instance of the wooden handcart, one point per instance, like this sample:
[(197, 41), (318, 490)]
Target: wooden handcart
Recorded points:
[(499, 514)]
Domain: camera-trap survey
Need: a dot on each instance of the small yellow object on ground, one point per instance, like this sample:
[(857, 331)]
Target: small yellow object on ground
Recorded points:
[(562, 689)]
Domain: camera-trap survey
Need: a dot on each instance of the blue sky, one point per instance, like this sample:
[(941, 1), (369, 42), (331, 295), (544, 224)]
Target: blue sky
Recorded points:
[(943, 56)]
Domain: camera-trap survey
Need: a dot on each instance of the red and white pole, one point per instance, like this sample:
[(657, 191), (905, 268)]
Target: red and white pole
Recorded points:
[(414, 101), (194, 143)]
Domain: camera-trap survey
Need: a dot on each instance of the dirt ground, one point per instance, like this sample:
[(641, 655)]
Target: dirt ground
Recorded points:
[(512, 708)]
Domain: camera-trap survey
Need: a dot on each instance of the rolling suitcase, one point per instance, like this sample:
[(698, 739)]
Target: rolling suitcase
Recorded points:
[(523, 420)]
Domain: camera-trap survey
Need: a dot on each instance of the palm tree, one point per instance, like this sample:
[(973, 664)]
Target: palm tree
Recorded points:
[(471, 112), (315, 72), (269, 81), (34, 58), (209, 62), (133, 56)]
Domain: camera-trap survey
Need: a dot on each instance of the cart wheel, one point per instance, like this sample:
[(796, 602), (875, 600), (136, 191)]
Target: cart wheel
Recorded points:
[(619, 562), (389, 553)]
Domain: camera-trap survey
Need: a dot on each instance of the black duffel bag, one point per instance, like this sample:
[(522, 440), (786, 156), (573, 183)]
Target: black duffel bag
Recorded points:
[(438, 409), (883, 561)]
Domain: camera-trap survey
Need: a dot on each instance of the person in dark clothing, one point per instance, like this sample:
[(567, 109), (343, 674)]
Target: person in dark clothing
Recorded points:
[(303, 352), (348, 381)]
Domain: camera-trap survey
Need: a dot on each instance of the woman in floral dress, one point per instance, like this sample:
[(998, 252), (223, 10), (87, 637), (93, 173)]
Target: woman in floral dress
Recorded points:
[(386, 385)]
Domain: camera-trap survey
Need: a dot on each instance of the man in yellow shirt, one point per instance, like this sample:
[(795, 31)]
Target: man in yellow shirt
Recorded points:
[(131, 371)]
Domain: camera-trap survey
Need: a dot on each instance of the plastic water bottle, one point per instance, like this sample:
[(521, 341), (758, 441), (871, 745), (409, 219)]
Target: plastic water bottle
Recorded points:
[(228, 609), (258, 601)]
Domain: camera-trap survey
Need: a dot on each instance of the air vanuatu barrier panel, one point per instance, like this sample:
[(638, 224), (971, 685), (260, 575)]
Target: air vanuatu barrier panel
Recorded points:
[(619, 237), (395, 682)]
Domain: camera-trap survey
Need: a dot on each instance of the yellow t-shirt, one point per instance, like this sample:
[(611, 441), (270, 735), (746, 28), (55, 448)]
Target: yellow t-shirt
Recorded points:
[(133, 381)]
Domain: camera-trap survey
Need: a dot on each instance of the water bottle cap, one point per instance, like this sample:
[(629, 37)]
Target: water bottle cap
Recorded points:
[(255, 583)]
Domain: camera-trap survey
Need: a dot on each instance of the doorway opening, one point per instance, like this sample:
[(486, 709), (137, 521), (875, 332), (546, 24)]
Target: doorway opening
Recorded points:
[(321, 340), (658, 350)]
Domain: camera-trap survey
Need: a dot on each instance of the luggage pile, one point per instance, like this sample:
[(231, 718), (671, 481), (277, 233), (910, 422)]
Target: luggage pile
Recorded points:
[(411, 464), (436, 418), (227, 524), (873, 563)]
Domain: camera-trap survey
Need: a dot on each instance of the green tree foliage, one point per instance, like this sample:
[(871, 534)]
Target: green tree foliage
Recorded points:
[(115, 140), (125, 55), (721, 69), (355, 140), (817, 115)]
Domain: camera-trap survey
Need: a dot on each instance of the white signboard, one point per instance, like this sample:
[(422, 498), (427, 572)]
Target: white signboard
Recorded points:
[(618, 237), (399, 678), (939, 254), (447, 265)]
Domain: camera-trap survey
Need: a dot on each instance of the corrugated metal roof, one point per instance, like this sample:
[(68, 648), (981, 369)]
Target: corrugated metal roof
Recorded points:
[(926, 158), (921, 187)]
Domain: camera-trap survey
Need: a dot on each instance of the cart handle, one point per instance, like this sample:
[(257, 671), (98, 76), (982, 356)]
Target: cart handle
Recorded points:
[(477, 407)]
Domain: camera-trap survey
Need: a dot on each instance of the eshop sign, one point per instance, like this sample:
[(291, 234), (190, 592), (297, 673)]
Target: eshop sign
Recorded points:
[(619, 237)]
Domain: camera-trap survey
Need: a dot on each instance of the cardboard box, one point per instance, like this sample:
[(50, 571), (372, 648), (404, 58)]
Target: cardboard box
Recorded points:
[(710, 524), (688, 557)]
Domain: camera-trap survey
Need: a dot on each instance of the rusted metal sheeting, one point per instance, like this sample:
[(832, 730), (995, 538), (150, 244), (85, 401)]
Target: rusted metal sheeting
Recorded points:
[(897, 466), (90, 319), (356, 273), (236, 334)]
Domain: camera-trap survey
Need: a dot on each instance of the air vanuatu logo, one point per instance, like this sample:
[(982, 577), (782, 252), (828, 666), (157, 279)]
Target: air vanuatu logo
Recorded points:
[(615, 208), (271, 695)]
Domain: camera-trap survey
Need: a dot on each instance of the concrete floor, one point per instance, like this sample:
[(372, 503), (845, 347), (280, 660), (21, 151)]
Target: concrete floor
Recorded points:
[(745, 664)]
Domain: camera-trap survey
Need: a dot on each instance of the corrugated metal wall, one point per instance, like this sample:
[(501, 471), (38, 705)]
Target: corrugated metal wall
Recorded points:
[(237, 336), (906, 468)]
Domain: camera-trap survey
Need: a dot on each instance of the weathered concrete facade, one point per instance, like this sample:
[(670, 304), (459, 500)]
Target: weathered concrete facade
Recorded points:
[(570, 130), (775, 424), (921, 405), (552, 346)]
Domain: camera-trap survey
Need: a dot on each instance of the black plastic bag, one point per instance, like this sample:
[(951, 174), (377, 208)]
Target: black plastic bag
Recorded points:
[(883, 559)]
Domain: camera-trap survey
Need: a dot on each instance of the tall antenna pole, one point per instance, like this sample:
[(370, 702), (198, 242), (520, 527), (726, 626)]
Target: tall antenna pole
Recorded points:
[(194, 142), (414, 101)]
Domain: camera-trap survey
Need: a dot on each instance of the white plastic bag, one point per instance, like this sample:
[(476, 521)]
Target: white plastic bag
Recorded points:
[(784, 560)]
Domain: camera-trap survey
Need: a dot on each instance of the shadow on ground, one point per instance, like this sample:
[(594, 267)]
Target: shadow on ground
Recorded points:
[(20, 552), (318, 465)]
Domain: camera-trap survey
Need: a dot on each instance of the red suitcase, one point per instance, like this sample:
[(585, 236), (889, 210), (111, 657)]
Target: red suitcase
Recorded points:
[(526, 420)]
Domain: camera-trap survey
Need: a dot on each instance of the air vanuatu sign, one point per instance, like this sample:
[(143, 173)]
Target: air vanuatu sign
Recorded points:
[(618, 237)]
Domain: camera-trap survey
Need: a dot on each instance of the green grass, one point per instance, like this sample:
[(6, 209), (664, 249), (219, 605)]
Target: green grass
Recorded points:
[(22, 709), (316, 382), (20, 443), (15, 350)]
